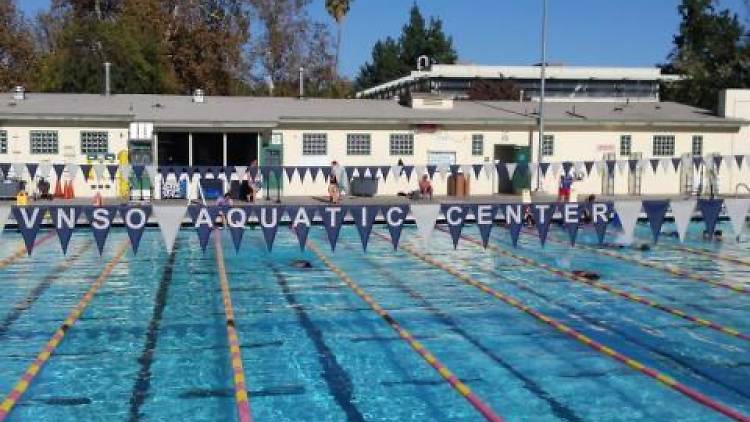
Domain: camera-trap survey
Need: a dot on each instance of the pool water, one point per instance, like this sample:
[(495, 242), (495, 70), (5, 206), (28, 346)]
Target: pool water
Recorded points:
[(152, 344)]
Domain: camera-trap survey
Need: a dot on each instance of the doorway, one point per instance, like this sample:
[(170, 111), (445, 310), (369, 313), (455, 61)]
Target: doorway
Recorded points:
[(521, 178)]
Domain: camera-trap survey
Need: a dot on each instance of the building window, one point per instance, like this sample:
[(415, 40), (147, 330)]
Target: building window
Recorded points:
[(314, 144), (402, 144), (626, 145), (358, 144), (477, 145), (663, 146), (697, 145), (44, 142), (94, 142), (3, 142), (548, 145)]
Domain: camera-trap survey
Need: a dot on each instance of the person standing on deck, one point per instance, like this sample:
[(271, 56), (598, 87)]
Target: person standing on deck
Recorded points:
[(563, 191)]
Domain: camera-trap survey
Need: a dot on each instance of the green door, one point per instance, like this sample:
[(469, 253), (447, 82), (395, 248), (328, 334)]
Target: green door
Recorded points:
[(271, 155), (521, 179)]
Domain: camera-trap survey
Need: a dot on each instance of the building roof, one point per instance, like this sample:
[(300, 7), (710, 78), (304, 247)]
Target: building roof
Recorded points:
[(245, 112), (573, 73)]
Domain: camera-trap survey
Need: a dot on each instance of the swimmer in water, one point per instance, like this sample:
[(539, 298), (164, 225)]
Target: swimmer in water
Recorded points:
[(589, 275), (717, 235), (301, 263)]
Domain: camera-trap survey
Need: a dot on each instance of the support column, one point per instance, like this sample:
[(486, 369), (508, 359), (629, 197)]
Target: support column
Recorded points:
[(224, 160), (155, 161), (190, 149)]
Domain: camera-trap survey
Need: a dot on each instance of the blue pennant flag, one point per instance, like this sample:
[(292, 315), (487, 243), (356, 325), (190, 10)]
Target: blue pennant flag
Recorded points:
[(431, 170), (655, 210), (228, 172), (112, 169), (485, 219), (302, 172), (599, 214), (135, 218), (300, 219), (514, 218), (86, 170), (215, 171), (567, 165), (269, 218), (633, 165), (676, 163), (59, 168), (364, 219), (253, 172), (385, 170), (710, 209), (361, 171), (454, 169), (138, 171), (349, 172), (100, 219), (739, 158), (544, 167), (314, 170), (697, 161), (717, 162), (32, 167), (5, 168), (333, 218), (326, 170), (236, 219), (571, 217), (610, 166), (395, 215), (501, 170), (408, 170), (477, 170), (289, 170), (203, 219), (542, 218), (455, 216), (64, 219), (654, 164), (29, 220)]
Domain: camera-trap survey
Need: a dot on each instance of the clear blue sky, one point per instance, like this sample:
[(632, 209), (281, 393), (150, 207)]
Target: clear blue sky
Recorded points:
[(581, 32)]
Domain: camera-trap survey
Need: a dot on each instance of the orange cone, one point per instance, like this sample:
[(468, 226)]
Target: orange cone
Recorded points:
[(58, 190), (72, 194), (66, 190)]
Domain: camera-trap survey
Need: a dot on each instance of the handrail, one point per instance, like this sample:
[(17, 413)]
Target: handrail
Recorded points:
[(739, 185)]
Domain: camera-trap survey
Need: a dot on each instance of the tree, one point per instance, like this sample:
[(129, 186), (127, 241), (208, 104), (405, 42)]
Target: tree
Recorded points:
[(290, 39), (710, 51), (338, 10), (17, 50), (493, 90), (392, 59)]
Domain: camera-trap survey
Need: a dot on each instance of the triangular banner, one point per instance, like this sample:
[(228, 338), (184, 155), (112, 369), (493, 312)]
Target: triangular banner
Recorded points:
[(4, 214), (32, 168), (64, 220), (269, 218), (455, 216), (736, 208), (676, 163), (588, 165), (571, 219), (655, 210), (697, 161), (710, 209), (511, 168), (395, 215), (682, 211), (542, 218), (301, 218), (169, 218), (28, 220), (717, 162), (364, 218), (633, 165), (236, 219), (425, 216), (627, 213), (739, 159), (654, 164), (485, 220), (333, 219), (477, 170), (203, 219), (100, 219), (135, 219), (514, 218)]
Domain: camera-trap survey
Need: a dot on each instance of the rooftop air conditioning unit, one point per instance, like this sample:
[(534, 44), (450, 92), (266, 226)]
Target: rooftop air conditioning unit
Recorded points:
[(199, 96)]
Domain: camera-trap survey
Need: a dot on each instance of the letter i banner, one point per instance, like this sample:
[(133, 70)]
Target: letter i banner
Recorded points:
[(363, 218), (301, 218), (64, 219), (394, 217), (203, 219), (101, 219), (29, 220), (455, 216)]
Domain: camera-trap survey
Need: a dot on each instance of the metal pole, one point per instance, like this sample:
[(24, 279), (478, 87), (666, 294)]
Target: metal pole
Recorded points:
[(541, 94)]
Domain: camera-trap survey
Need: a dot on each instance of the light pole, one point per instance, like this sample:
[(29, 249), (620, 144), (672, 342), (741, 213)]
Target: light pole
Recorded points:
[(541, 95)]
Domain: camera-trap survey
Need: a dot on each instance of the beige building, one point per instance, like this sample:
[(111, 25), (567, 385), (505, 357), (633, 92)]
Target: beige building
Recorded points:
[(183, 131)]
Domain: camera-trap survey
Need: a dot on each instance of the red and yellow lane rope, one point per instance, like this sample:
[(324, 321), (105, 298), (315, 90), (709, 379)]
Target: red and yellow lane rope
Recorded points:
[(615, 291), (640, 367), (31, 372), (21, 251), (241, 396), (708, 254), (425, 354), (735, 287)]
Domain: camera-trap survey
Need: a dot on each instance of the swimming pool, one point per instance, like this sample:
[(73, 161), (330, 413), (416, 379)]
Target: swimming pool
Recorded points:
[(152, 343)]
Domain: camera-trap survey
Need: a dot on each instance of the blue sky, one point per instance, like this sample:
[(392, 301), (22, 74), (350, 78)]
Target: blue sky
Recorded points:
[(581, 32)]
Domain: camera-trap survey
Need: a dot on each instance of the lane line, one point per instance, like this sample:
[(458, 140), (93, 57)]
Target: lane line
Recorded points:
[(21, 251), (425, 354), (235, 356), (44, 355), (734, 287), (713, 255), (143, 378), (593, 344), (612, 290)]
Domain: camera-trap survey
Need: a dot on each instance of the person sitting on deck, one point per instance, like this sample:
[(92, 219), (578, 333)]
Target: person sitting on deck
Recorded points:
[(334, 194), (425, 186), (528, 216), (223, 202)]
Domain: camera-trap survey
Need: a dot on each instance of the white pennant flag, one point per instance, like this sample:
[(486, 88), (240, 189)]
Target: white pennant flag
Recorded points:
[(99, 170), (443, 169), (425, 216), (666, 164), (4, 213), (241, 171), (18, 169), (125, 170), (600, 167), (737, 209), (169, 218), (580, 167), (534, 169), (44, 170), (511, 168), (396, 172), (555, 167), (728, 160), (72, 170), (489, 168), (467, 170), (622, 166), (152, 173), (628, 212), (682, 211), (644, 164)]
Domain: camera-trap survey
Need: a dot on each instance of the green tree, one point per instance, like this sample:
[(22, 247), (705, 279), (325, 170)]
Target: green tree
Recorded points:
[(338, 10), (392, 59), (17, 50), (710, 51)]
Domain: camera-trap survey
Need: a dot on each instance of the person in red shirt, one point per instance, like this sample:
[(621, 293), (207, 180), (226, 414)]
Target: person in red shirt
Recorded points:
[(425, 186)]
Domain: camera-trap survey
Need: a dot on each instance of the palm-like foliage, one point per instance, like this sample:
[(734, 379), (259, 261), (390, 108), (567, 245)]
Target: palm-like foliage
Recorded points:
[(338, 10)]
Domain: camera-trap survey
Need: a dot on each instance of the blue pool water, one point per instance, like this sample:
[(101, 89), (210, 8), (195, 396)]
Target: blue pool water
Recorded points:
[(152, 345)]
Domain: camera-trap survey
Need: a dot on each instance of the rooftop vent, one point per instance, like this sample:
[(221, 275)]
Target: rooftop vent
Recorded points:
[(19, 93), (199, 96), (429, 101)]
